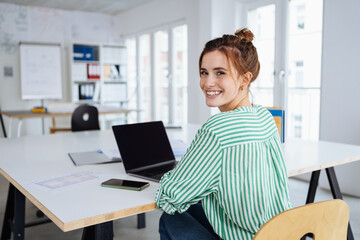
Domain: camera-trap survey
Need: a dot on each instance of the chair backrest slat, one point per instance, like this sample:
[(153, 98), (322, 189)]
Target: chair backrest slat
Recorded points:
[(327, 220)]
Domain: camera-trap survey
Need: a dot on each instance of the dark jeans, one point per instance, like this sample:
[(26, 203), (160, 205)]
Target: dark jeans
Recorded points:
[(191, 224)]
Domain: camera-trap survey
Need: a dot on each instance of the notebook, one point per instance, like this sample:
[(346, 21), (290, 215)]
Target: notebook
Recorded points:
[(145, 149)]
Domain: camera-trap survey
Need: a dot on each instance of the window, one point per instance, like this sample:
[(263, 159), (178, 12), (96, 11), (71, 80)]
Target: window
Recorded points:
[(300, 16), (161, 86), (180, 73), (305, 68), (130, 44), (262, 22), (161, 75), (145, 103), (294, 83)]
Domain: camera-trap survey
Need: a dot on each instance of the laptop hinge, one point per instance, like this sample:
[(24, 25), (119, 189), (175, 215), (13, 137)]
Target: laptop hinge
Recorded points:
[(135, 170)]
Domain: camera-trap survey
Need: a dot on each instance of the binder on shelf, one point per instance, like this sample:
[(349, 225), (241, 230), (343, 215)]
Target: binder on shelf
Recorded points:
[(93, 71), (86, 91), (115, 72), (84, 53), (89, 53), (78, 52)]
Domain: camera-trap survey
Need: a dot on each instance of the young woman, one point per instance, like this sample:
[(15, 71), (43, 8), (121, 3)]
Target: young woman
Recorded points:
[(235, 164)]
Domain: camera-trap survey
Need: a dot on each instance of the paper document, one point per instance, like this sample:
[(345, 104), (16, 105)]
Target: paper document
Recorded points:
[(91, 157), (66, 181), (112, 154)]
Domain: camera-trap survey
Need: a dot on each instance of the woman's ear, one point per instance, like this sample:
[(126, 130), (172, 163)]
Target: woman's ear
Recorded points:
[(246, 79)]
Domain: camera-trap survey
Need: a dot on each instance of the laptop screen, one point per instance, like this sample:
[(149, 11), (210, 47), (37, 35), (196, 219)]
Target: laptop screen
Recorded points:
[(143, 144)]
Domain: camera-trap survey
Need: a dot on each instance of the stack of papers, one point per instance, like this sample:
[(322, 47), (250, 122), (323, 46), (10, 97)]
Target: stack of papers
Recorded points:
[(94, 157)]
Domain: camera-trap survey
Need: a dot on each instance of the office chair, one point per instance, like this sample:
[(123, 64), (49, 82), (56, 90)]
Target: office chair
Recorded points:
[(327, 220), (85, 117)]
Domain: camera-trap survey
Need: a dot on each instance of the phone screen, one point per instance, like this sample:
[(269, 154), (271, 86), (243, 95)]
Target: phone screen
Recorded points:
[(125, 184)]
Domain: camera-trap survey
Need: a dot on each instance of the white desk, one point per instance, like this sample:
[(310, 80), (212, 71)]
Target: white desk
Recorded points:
[(313, 156), (30, 158), (307, 156)]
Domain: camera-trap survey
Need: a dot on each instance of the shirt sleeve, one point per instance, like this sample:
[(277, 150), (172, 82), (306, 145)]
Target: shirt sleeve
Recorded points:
[(194, 177)]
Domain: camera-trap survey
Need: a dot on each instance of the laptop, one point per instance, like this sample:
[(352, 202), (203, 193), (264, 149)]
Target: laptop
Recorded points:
[(145, 149)]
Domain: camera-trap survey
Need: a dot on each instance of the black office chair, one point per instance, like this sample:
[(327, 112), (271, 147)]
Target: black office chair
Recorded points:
[(85, 117)]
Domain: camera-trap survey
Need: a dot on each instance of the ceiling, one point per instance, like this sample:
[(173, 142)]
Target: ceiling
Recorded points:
[(111, 7)]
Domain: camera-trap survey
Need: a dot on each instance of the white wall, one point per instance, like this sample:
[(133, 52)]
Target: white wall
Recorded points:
[(22, 23), (223, 17), (205, 19), (340, 84)]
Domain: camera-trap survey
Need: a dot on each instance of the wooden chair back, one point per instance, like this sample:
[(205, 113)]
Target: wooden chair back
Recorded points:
[(278, 114), (327, 220)]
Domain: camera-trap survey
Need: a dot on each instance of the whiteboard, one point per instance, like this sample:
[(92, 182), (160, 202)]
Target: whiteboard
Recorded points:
[(40, 71)]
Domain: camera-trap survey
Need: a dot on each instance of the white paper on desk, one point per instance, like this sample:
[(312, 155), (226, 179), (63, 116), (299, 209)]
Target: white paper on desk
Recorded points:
[(66, 181), (92, 157), (112, 153), (179, 147)]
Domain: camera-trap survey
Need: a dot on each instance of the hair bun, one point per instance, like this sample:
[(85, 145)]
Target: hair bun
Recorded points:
[(245, 33)]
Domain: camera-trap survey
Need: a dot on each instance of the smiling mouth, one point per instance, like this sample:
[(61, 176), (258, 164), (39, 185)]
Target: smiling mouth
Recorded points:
[(213, 93)]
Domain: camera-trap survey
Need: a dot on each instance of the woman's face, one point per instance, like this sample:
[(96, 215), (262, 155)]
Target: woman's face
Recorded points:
[(218, 84)]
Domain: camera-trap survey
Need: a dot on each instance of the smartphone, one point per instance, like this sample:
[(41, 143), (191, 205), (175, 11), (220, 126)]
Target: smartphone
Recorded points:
[(125, 184)]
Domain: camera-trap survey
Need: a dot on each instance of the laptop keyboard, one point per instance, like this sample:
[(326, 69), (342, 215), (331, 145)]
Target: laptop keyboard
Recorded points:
[(158, 172)]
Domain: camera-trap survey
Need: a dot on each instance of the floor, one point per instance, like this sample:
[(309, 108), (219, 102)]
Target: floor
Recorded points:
[(126, 228)]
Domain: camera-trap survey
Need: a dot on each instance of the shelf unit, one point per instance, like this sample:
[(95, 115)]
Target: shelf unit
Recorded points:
[(98, 74)]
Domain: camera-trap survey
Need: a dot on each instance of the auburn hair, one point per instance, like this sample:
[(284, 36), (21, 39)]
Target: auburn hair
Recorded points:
[(239, 51)]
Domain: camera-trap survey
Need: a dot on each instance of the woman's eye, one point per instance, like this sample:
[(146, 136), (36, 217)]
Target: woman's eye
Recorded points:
[(220, 73), (203, 73)]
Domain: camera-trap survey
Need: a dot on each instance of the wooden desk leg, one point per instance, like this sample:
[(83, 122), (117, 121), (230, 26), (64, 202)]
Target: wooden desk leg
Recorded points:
[(2, 125), (9, 214), (141, 221), (335, 190), (19, 215), (102, 231)]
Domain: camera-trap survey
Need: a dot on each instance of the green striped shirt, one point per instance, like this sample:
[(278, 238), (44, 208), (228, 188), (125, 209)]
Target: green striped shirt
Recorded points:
[(235, 166)]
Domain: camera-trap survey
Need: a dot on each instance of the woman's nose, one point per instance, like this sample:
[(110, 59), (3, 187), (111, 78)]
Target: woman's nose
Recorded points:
[(210, 81)]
